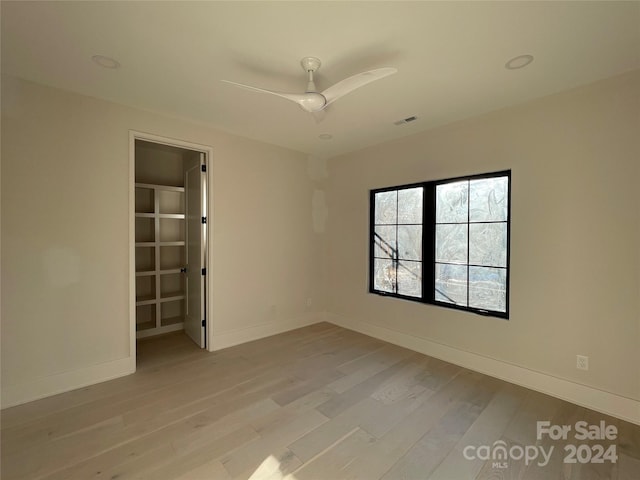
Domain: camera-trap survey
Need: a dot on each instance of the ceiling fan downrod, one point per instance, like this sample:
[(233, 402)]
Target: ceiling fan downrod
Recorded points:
[(310, 65)]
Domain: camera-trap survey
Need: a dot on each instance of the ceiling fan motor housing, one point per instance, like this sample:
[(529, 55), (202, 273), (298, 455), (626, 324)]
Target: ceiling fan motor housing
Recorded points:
[(313, 101)]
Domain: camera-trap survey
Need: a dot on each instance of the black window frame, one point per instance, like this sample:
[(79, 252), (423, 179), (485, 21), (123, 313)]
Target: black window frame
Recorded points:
[(429, 243)]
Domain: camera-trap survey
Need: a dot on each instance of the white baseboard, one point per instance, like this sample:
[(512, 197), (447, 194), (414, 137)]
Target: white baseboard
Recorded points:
[(18, 394), (615, 405), (256, 332)]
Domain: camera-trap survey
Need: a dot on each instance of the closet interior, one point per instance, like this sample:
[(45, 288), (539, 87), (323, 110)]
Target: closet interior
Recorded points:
[(161, 231)]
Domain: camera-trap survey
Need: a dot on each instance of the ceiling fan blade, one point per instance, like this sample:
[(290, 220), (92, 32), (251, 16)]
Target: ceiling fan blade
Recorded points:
[(295, 97), (356, 81), (310, 101)]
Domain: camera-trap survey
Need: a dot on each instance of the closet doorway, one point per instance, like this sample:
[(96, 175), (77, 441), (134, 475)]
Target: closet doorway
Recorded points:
[(170, 239)]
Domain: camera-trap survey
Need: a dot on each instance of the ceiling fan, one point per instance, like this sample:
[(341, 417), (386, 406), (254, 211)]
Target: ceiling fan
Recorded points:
[(312, 100)]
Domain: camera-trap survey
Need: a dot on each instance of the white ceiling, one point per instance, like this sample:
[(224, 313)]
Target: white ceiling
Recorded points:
[(450, 57)]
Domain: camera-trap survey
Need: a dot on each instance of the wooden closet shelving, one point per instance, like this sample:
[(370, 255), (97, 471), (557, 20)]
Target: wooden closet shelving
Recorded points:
[(160, 258)]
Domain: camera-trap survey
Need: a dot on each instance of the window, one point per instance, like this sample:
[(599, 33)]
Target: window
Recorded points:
[(397, 236), (444, 242)]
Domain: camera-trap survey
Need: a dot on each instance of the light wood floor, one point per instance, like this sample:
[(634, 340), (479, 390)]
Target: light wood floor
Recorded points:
[(320, 402)]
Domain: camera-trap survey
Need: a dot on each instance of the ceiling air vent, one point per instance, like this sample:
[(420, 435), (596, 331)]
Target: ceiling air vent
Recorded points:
[(405, 120)]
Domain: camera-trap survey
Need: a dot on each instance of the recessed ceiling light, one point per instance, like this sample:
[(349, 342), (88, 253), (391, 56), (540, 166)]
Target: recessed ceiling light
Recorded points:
[(106, 62), (520, 61), (325, 136)]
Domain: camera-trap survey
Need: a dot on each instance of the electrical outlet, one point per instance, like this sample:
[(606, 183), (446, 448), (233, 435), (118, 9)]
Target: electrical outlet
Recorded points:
[(309, 302), (582, 362)]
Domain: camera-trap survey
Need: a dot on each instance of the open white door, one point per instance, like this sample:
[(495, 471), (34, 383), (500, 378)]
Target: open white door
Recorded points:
[(196, 236)]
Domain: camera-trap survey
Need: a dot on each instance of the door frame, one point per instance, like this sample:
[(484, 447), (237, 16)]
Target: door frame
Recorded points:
[(208, 159)]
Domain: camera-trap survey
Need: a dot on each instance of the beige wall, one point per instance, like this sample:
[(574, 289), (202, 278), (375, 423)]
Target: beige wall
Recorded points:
[(65, 232), (575, 160), (159, 164), (575, 235)]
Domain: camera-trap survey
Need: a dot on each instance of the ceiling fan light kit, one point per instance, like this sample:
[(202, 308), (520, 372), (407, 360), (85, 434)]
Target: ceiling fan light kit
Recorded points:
[(313, 101)]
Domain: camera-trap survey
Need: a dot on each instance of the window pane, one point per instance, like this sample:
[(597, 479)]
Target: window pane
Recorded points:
[(384, 275), (410, 242), (488, 288), (410, 278), (451, 283), (488, 244), (386, 207), (451, 243), (452, 202), (488, 199), (384, 239), (410, 205)]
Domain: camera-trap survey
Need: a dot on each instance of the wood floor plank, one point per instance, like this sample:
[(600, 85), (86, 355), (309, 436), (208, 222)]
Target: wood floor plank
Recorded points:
[(316, 441), (556, 468), (124, 388), (203, 433), (306, 386), (628, 467), (163, 407), (390, 414), (365, 368), (171, 467), (274, 420), (318, 402), (331, 463), (210, 470), (59, 423), (276, 430), (425, 456), (511, 469), (100, 452), (591, 470), (251, 456), (628, 438), (277, 465), (197, 433), (394, 445), (370, 357), (488, 428), (345, 400), (371, 415), (536, 406), (406, 382)]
